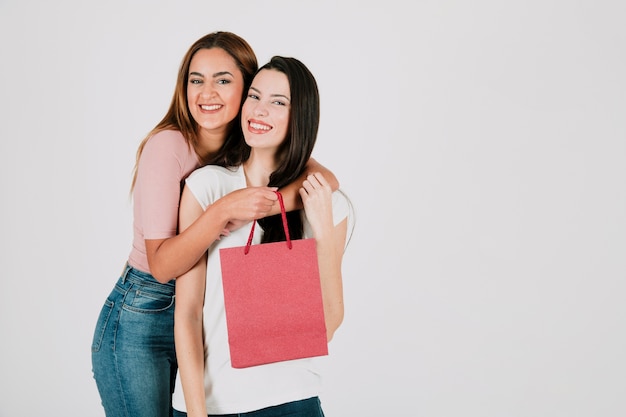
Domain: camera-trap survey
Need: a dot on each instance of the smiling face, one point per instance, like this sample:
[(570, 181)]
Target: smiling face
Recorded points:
[(265, 113), (214, 90)]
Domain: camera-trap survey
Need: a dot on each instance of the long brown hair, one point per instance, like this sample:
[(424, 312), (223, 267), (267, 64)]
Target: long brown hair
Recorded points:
[(178, 117)]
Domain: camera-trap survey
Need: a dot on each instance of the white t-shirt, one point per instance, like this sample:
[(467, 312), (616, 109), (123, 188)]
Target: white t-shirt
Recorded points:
[(230, 390)]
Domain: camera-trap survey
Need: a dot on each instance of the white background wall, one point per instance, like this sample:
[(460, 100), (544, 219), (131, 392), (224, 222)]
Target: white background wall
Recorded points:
[(483, 144)]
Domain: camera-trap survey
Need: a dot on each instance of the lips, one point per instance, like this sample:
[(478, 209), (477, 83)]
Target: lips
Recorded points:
[(210, 107), (259, 126)]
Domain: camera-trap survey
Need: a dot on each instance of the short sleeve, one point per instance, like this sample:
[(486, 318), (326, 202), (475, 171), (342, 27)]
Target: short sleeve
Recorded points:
[(211, 182), (165, 161)]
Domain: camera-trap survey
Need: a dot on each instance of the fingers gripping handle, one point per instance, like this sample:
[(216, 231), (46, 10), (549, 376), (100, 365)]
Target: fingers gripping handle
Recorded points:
[(285, 225)]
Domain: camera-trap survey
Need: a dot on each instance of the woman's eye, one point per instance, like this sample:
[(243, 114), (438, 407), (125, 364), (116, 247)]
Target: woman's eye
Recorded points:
[(280, 103), (223, 81), (253, 96), (195, 81)]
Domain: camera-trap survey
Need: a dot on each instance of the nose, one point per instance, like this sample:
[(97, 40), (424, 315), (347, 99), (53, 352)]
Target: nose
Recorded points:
[(208, 90), (260, 109)]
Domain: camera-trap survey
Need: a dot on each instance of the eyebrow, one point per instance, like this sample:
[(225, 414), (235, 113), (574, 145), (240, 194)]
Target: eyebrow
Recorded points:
[(272, 95), (217, 74)]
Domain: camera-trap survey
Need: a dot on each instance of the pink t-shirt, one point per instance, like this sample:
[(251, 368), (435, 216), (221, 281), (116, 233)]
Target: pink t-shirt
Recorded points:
[(165, 162)]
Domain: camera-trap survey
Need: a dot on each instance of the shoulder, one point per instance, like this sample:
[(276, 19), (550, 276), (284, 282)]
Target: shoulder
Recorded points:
[(214, 172), (342, 206), (211, 182), (167, 141), (168, 135), (169, 148), (343, 209)]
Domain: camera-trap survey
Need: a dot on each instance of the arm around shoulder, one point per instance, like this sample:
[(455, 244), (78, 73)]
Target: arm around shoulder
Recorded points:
[(170, 258), (291, 192), (313, 166)]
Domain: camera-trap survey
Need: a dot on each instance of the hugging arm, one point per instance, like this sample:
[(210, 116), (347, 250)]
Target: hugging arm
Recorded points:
[(290, 193), (172, 257)]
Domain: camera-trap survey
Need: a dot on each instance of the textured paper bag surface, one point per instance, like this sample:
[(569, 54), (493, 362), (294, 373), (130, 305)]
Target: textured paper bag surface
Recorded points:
[(273, 302)]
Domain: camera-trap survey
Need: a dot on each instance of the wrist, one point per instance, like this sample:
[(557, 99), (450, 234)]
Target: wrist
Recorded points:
[(219, 212)]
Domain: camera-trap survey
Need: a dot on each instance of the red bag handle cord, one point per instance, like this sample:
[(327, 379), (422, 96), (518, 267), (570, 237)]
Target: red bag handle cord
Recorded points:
[(285, 225)]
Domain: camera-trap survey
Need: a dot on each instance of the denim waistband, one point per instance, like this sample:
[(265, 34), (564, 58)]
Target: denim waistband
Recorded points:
[(134, 275)]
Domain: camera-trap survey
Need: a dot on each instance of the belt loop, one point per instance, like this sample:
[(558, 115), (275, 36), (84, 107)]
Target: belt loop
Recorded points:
[(125, 271)]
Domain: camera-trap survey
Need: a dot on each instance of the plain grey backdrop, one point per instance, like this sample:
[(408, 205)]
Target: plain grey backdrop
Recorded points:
[(483, 145)]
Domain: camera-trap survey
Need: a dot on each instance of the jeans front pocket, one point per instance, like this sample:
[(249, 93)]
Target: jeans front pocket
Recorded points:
[(101, 325), (148, 299)]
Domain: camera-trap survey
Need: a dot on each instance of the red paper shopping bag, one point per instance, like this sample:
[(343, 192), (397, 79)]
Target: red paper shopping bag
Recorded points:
[(273, 301)]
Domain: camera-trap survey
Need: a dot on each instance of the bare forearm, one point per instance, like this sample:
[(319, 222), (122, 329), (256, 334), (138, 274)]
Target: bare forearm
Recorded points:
[(330, 255), (291, 196), (200, 228), (332, 287), (170, 258), (190, 353), (314, 166), (317, 195), (176, 255), (188, 336)]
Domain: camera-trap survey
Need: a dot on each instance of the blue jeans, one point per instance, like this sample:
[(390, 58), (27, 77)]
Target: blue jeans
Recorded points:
[(132, 355), (311, 407)]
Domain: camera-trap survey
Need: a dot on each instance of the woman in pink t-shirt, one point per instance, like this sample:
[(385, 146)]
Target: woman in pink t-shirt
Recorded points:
[(133, 354)]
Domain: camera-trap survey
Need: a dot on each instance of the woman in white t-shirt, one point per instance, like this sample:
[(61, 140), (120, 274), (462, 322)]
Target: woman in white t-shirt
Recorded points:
[(280, 119)]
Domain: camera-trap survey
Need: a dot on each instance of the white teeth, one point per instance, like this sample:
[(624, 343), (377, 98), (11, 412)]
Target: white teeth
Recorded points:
[(259, 126), (212, 107)]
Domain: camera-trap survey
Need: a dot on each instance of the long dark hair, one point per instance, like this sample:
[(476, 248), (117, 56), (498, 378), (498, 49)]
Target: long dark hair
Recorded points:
[(295, 151)]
